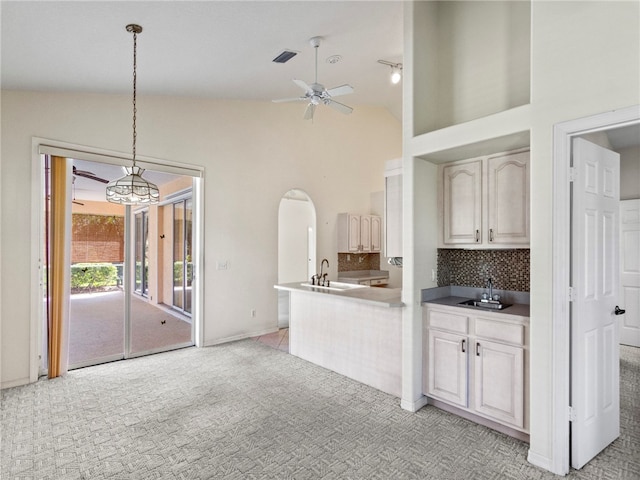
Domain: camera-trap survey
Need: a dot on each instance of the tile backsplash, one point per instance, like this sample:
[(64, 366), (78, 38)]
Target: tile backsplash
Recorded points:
[(348, 262), (508, 269)]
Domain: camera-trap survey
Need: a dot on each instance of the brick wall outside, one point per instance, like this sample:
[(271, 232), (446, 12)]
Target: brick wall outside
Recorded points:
[(97, 238)]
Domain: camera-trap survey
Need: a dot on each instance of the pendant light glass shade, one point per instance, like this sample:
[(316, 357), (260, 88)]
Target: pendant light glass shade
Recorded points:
[(132, 189)]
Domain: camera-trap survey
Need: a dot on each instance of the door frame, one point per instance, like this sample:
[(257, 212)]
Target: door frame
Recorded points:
[(40, 145), (563, 133)]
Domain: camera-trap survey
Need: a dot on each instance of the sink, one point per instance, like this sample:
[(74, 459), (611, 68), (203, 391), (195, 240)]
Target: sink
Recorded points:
[(488, 304), (336, 286)]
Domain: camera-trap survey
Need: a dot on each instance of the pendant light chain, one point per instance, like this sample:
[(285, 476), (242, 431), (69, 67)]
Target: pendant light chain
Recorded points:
[(135, 111), (133, 189)]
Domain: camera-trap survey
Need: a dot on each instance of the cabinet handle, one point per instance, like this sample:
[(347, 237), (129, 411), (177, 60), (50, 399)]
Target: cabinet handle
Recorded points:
[(477, 349), (477, 236), (491, 234), (463, 346)]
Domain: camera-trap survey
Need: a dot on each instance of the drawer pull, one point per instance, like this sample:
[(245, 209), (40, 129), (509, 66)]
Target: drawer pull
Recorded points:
[(477, 236), (463, 345), (477, 349), (491, 234)]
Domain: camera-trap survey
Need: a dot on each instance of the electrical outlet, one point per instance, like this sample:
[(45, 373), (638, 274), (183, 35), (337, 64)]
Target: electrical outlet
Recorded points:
[(222, 265), (433, 275)]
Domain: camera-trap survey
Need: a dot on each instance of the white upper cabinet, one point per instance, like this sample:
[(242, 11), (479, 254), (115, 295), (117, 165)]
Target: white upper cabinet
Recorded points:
[(393, 208), (508, 199), (359, 233), (462, 204), (485, 202)]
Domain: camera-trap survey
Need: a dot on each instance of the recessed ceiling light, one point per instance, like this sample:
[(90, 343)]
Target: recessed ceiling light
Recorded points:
[(334, 59)]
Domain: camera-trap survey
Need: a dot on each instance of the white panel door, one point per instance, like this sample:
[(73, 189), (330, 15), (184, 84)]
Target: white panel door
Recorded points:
[(595, 395), (630, 272)]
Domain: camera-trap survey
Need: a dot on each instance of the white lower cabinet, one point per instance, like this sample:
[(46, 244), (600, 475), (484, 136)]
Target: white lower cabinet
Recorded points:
[(448, 367), (476, 362)]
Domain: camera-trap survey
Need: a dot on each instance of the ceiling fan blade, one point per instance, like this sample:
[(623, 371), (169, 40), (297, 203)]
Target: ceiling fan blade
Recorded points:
[(341, 90), (292, 99), (80, 173), (308, 113), (303, 86), (77, 203), (341, 107)]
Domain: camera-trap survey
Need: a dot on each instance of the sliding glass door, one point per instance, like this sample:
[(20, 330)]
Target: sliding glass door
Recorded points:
[(182, 255), (141, 243)]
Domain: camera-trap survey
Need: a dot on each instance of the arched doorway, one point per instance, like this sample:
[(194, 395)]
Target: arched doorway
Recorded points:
[(296, 245)]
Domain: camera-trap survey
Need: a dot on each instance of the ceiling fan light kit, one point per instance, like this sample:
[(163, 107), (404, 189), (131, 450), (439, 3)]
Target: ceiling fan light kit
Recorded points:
[(132, 189), (315, 94)]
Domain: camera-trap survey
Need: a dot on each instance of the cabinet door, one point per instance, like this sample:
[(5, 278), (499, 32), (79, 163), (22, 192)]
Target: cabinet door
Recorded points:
[(393, 216), (376, 234), (354, 233), (508, 199), (448, 378), (365, 233), (499, 382), (462, 203)]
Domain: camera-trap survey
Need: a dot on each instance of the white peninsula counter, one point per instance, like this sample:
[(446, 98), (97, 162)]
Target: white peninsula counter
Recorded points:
[(355, 332)]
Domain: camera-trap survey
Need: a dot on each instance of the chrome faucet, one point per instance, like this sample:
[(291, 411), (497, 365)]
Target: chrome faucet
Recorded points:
[(490, 285)]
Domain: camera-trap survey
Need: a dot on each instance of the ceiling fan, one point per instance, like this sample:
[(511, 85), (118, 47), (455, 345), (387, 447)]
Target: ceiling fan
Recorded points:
[(316, 94), (89, 175)]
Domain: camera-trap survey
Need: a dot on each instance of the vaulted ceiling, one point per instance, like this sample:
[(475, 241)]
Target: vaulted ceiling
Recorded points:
[(216, 49)]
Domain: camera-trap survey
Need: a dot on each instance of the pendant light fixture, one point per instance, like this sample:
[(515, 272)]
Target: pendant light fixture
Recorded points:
[(132, 189)]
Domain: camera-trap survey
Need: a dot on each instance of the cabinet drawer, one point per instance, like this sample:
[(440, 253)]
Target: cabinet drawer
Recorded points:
[(448, 321), (499, 331), (379, 281)]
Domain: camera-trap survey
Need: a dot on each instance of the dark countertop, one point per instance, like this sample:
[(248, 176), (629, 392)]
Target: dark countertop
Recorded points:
[(381, 297), (519, 309)]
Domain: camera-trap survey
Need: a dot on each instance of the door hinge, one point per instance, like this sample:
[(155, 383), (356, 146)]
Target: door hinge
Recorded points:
[(572, 294), (572, 414), (573, 174)]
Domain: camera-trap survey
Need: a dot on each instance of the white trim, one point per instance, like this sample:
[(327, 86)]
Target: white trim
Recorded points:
[(198, 284), (560, 360), (414, 406), (242, 336), (112, 157), (36, 335)]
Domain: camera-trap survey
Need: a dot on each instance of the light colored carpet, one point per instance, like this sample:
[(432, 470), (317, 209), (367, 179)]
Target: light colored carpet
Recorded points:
[(245, 410), (97, 326)]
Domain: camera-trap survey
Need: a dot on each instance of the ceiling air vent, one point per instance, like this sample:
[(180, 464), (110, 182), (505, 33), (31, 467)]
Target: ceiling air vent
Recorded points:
[(285, 56)]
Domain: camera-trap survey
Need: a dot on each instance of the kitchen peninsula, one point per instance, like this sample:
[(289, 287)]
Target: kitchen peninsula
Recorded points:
[(353, 330)]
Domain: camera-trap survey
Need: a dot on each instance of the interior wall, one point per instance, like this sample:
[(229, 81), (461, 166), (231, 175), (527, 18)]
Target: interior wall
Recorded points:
[(575, 74), (252, 152), (483, 59)]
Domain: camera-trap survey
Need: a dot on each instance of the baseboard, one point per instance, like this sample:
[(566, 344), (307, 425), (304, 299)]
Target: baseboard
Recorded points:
[(413, 406), (243, 336), (15, 383), (540, 461)]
